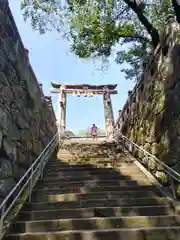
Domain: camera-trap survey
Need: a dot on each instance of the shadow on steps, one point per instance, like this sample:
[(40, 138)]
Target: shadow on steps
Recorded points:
[(82, 202)]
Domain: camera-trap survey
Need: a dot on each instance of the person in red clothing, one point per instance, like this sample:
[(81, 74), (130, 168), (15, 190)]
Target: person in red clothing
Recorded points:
[(94, 131)]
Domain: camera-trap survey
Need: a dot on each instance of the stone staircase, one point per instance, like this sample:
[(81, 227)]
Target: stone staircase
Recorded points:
[(89, 193)]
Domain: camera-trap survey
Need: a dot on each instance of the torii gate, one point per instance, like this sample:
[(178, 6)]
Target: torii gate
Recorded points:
[(87, 90)]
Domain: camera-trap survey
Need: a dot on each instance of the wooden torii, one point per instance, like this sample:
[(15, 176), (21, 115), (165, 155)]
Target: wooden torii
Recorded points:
[(87, 90)]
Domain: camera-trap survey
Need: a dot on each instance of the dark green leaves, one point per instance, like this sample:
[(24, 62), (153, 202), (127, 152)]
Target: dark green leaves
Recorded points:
[(95, 27)]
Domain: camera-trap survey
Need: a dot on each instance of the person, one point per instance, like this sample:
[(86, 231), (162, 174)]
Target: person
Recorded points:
[(94, 131)]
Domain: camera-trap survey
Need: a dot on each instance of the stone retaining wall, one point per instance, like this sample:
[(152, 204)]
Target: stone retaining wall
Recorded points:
[(151, 115), (27, 120)]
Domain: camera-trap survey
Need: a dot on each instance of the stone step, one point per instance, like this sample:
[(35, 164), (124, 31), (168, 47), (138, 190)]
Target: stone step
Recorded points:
[(94, 223), (92, 183), (92, 159), (66, 155), (55, 166), (90, 212), (89, 160), (120, 202), (81, 157), (77, 155), (96, 170), (89, 189), (73, 178), (121, 157), (109, 174), (42, 197), (93, 167), (85, 166), (153, 233), (90, 180)]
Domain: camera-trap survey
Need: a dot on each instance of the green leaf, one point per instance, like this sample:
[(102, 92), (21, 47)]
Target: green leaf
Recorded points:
[(97, 28)]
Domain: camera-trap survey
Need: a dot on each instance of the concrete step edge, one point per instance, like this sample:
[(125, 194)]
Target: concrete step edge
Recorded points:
[(101, 181), (134, 187), (98, 231), (91, 164), (99, 170), (98, 193), (110, 173), (122, 184), (97, 199), (94, 168), (99, 208), (49, 179), (101, 218), (105, 200)]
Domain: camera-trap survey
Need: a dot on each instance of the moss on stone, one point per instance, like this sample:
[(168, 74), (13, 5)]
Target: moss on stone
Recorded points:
[(160, 104), (162, 177), (151, 164), (156, 148), (147, 147), (178, 190)]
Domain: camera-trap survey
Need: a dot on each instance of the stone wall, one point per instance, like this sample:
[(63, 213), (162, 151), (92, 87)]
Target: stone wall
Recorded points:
[(151, 115), (27, 120)]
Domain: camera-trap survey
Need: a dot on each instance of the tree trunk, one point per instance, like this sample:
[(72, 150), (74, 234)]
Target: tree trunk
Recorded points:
[(176, 7), (149, 27)]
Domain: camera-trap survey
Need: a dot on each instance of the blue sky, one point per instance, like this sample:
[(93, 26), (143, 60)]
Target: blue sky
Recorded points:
[(52, 61)]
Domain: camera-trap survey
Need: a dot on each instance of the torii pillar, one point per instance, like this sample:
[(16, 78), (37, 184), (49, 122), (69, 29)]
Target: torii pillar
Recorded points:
[(61, 117), (108, 112)]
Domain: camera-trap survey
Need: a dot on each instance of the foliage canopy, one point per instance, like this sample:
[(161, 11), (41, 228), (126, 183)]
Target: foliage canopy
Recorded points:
[(96, 28)]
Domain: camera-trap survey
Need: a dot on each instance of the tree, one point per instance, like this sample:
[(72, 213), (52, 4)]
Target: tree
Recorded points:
[(96, 27), (84, 132), (176, 6), (124, 23), (69, 133)]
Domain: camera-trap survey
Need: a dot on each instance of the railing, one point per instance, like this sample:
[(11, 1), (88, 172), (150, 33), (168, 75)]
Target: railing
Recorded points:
[(166, 176), (14, 201)]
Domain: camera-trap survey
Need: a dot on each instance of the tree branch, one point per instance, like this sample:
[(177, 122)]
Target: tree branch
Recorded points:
[(135, 37), (176, 7), (119, 14), (125, 36), (149, 27)]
